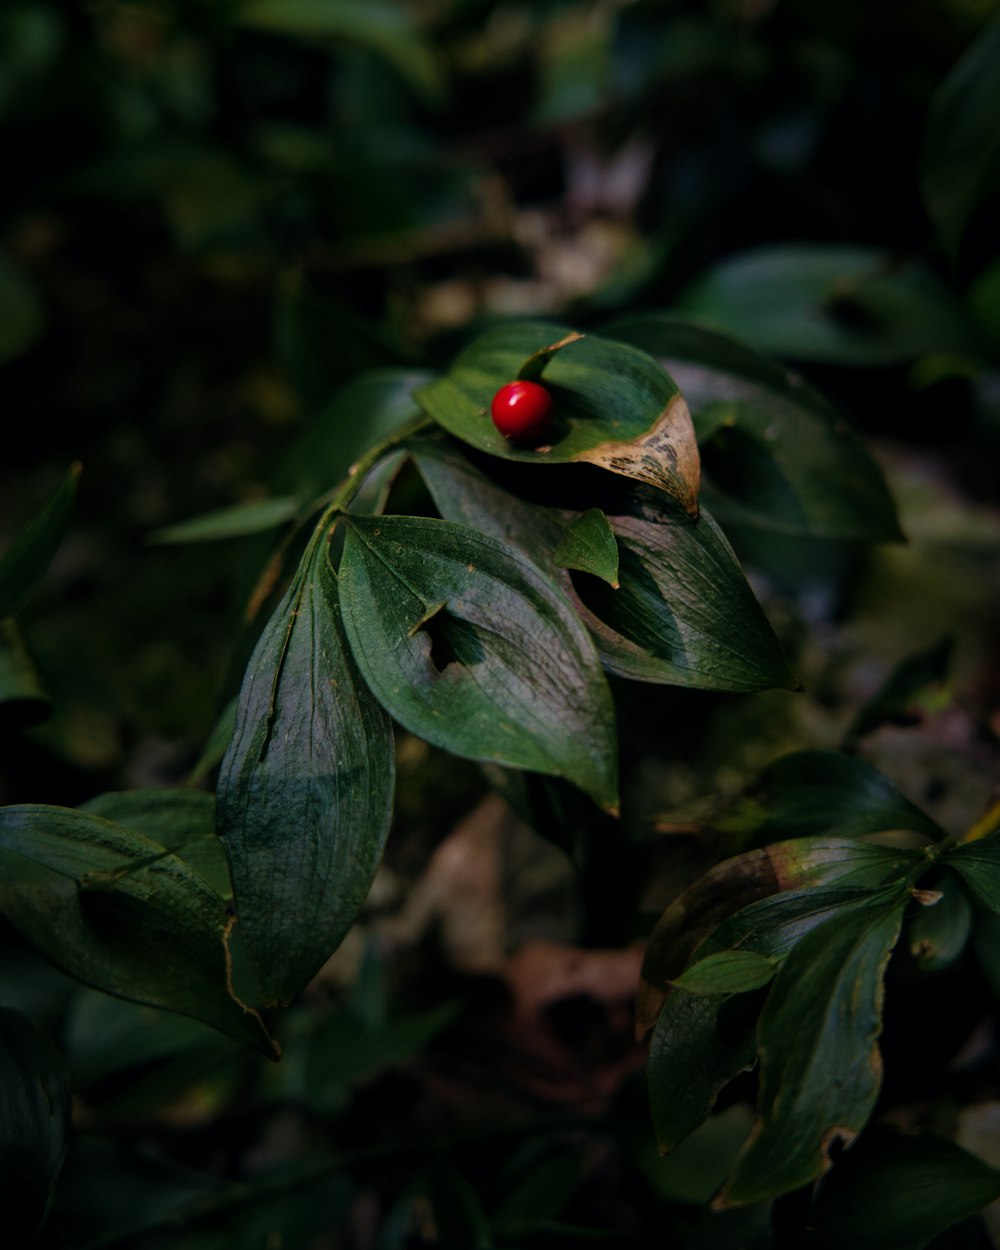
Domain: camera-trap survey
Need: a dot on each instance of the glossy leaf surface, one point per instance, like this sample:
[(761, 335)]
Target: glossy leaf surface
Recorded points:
[(35, 1108), (727, 972), (701, 1042), (467, 644), (305, 791), (699, 1045), (589, 545), (754, 898), (774, 452), (837, 303), (463, 494), (613, 406), (117, 911), (683, 613), (820, 1065), (181, 820)]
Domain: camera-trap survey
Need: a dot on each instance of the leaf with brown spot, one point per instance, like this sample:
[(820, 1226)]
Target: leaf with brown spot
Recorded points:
[(800, 868), (775, 454), (940, 932), (613, 406), (702, 1041), (821, 1068)]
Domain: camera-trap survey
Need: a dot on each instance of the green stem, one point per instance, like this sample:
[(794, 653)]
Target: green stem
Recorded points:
[(336, 500), (346, 491)]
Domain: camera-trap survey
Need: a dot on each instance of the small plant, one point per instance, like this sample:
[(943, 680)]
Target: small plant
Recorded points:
[(510, 568), (490, 629)]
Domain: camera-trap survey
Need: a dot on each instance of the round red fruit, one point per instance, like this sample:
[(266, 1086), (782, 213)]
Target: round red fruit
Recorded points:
[(522, 411)]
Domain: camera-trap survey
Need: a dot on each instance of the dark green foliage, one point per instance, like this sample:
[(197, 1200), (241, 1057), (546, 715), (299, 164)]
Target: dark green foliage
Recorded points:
[(305, 790), (516, 679), (328, 712)]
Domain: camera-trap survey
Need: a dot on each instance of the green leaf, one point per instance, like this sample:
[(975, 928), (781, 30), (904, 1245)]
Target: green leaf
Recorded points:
[(171, 817), (764, 902), (463, 494), (469, 646), (24, 701), (775, 453), (613, 406), (181, 820), (898, 1191), (733, 903), (727, 972), (34, 1126), (534, 367), (962, 143), (695, 1171), (939, 931), (360, 415), (588, 544), (117, 911), (698, 1046), (837, 303), (820, 1066), (381, 26), (244, 518), (978, 864), (814, 792), (683, 613), (26, 559), (305, 791), (701, 1042), (22, 313)]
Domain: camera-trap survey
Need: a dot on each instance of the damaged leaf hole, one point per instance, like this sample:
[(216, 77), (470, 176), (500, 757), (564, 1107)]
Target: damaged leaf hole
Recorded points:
[(452, 644)]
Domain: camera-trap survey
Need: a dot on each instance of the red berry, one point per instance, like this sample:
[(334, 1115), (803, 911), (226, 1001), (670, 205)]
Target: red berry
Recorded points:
[(522, 411)]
